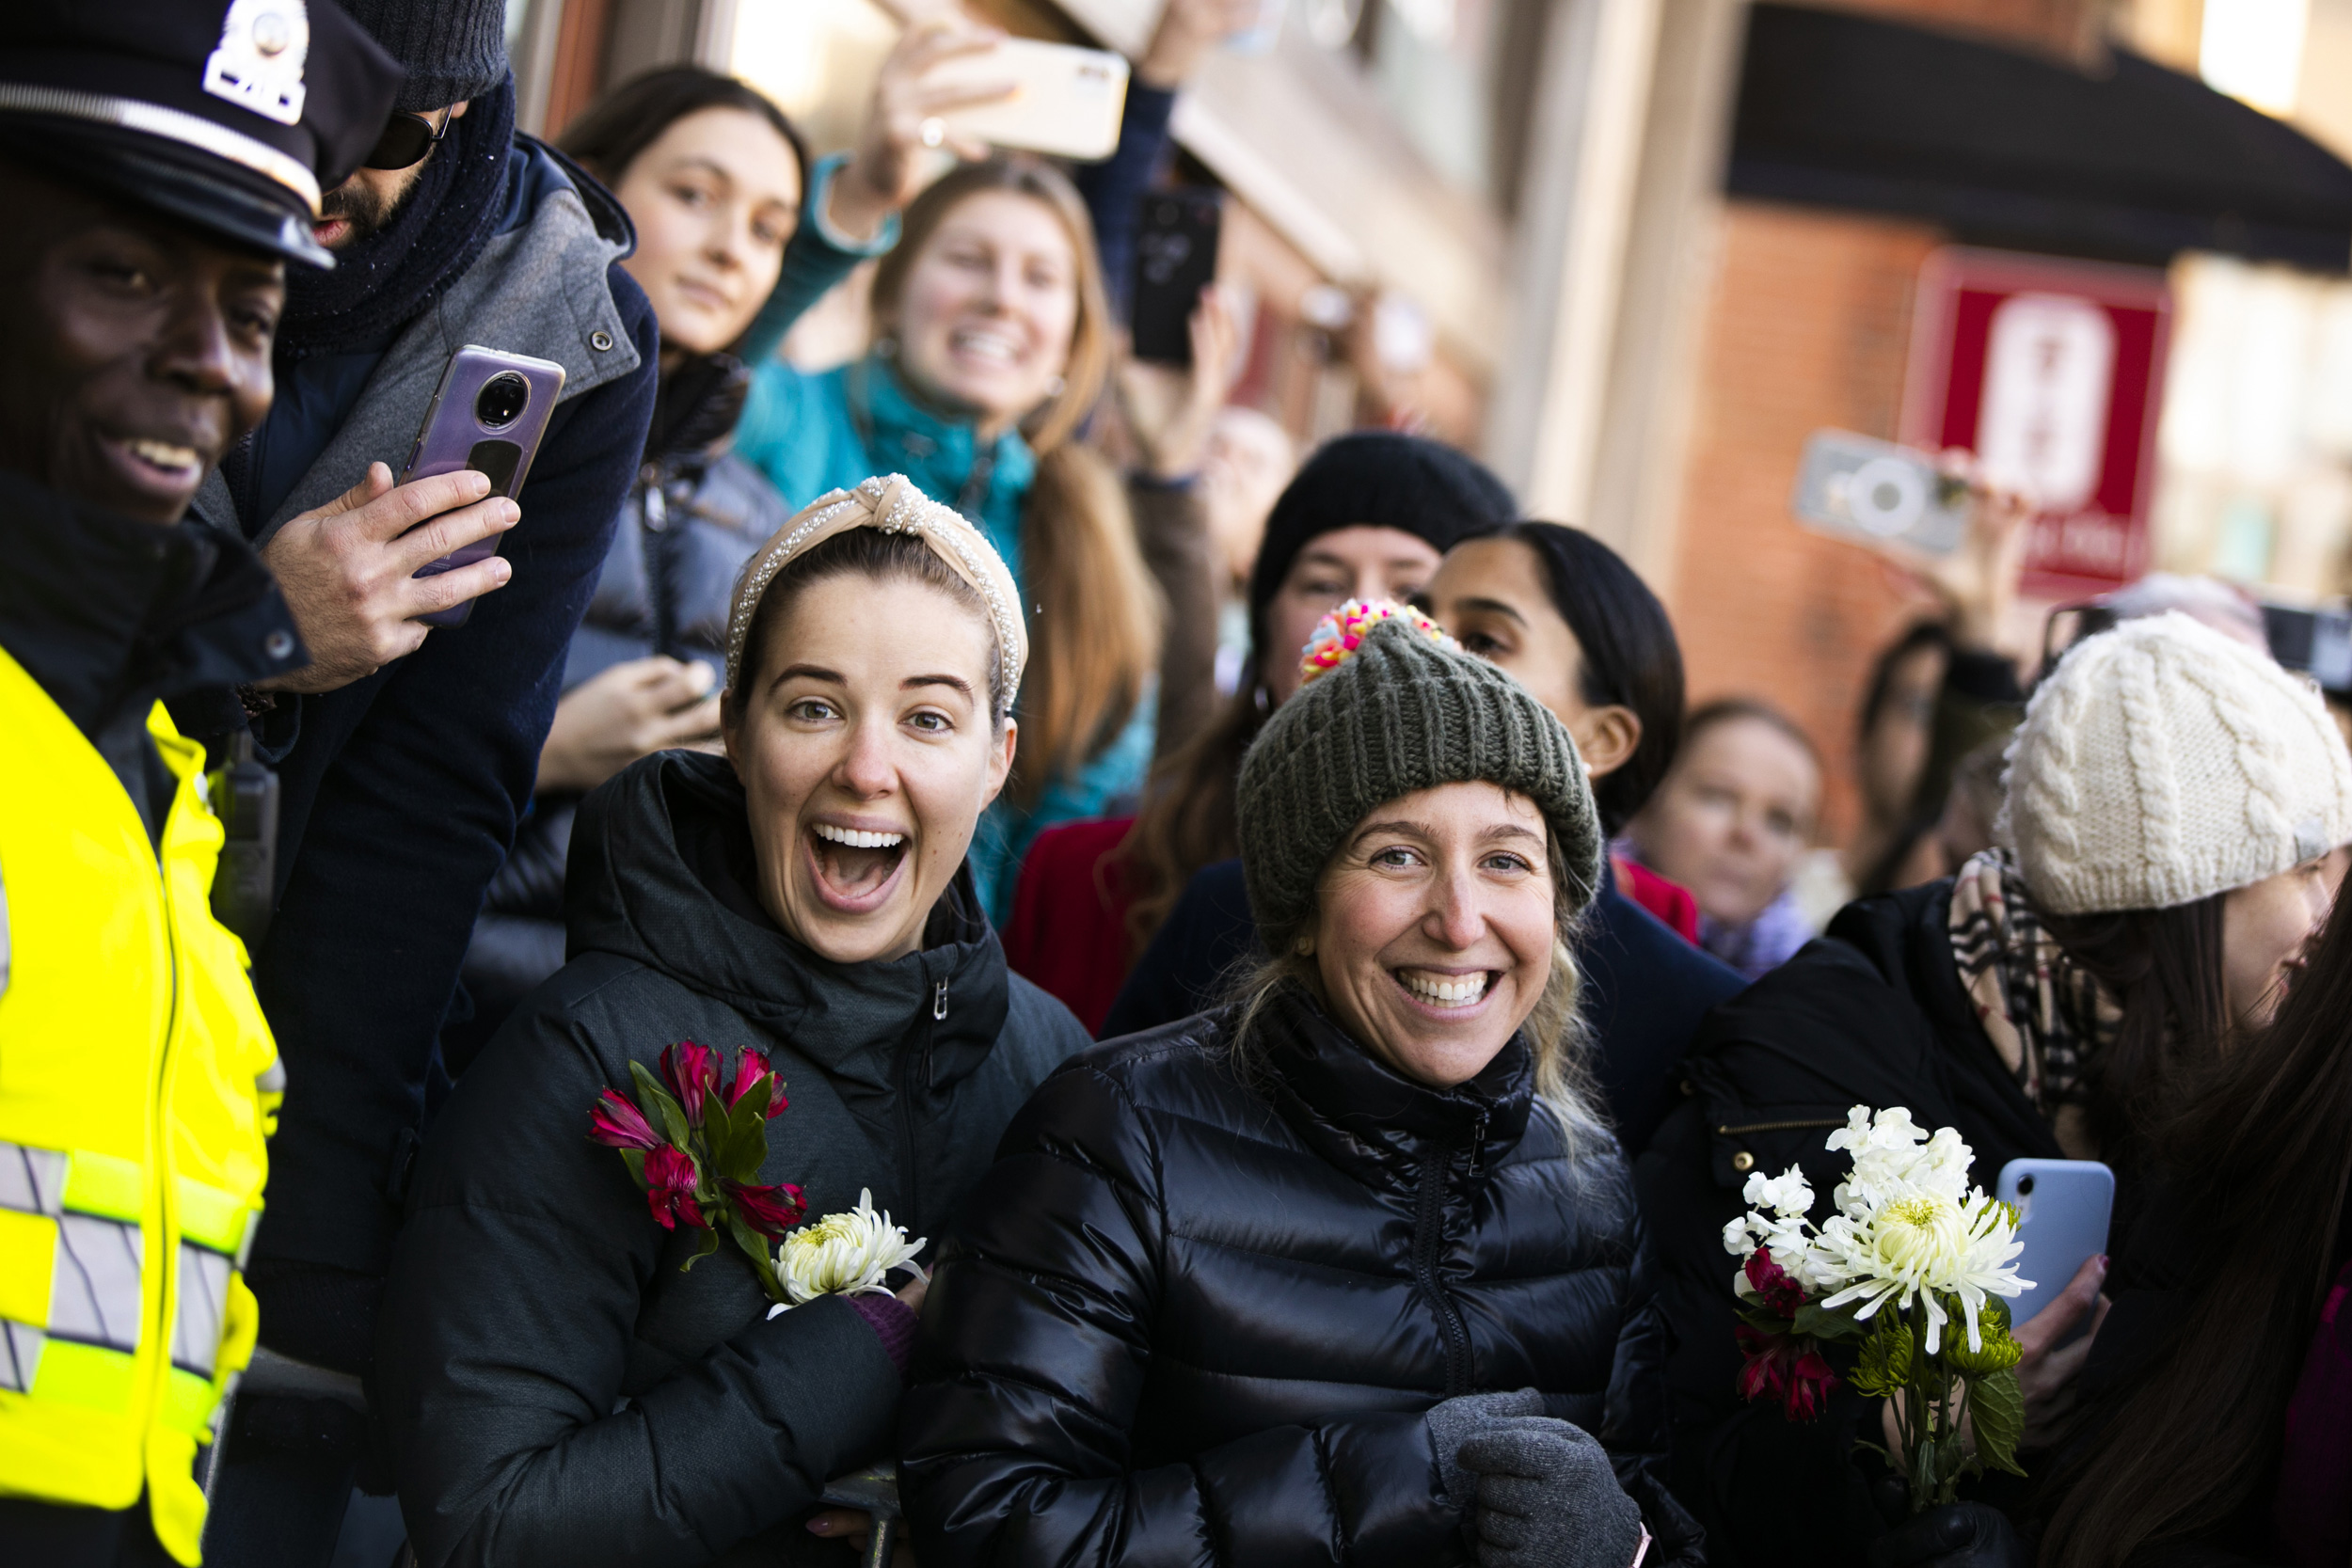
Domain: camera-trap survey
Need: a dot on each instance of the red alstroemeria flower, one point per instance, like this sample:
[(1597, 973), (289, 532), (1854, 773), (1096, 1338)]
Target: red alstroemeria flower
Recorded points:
[(617, 1123), (751, 1067), (1772, 1283), (770, 1210), (1809, 1380), (669, 1187), (1787, 1368), (693, 1072)]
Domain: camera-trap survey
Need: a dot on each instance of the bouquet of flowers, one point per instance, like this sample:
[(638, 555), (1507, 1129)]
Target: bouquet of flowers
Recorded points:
[(1908, 1266), (844, 1255), (695, 1141)]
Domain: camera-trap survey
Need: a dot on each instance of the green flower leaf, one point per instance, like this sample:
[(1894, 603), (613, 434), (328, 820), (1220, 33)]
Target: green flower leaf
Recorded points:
[(635, 1159), (1824, 1324), (657, 1102), (706, 1242), (1997, 1411), (746, 1137), (754, 1246)]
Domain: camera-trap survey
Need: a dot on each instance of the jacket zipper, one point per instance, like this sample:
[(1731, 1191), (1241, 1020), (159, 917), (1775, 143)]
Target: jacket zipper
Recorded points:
[(654, 515), (906, 1097), (1428, 1235), (1781, 1126)]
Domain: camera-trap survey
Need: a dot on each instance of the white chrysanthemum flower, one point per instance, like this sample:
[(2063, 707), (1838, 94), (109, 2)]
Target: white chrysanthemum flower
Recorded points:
[(843, 1254), (1922, 1243), (1907, 1226)]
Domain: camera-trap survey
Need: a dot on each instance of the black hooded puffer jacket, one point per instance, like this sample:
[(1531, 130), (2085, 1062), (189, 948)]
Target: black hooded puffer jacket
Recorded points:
[(1202, 1310), (555, 1390)]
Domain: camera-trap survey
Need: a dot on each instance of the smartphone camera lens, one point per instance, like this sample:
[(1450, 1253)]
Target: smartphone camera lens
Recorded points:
[(501, 400), (2024, 1186)]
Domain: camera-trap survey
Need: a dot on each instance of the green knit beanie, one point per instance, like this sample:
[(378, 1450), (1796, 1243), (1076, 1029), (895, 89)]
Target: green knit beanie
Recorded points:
[(1399, 714)]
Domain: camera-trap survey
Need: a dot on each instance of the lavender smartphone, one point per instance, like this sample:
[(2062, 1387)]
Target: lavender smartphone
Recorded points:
[(487, 415)]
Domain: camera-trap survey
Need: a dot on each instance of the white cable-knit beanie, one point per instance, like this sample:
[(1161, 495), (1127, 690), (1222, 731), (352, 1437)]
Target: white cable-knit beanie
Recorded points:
[(2162, 763)]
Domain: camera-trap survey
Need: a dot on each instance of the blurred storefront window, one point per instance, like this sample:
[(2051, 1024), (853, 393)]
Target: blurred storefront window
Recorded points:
[(2255, 446)]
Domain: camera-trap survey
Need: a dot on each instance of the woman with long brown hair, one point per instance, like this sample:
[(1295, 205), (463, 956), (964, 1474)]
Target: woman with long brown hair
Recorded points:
[(2172, 800), (2220, 1430), (993, 339)]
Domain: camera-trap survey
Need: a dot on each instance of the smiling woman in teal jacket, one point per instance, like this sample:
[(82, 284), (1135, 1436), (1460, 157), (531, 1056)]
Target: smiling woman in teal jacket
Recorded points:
[(993, 339)]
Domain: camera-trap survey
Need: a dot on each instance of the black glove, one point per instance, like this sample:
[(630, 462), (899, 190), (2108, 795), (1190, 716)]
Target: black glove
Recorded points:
[(1548, 1498), (1957, 1535), (1454, 1421)]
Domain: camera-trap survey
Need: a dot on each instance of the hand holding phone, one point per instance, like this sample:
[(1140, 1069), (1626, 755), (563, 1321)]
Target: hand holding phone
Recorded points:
[(1880, 494), (912, 95), (348, 569), (487, 418)]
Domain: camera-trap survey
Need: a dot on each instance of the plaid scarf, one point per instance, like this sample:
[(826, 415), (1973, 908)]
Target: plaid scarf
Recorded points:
[(2045, 1016)]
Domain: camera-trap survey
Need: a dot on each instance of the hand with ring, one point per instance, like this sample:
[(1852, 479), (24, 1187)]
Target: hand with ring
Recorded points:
[(911, 113)]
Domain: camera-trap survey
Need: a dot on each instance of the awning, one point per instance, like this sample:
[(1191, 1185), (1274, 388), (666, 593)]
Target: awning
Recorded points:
[(2134, 163)]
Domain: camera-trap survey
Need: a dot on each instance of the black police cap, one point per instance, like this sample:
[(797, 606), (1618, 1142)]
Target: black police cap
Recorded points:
[(231, 118)]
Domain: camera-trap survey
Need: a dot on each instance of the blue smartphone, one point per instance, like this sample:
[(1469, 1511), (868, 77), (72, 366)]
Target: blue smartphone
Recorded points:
[(2063, 1207), (487, 415)]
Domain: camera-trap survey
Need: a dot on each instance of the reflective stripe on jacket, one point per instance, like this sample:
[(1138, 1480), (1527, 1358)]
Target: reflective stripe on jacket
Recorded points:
[(138, 1087)]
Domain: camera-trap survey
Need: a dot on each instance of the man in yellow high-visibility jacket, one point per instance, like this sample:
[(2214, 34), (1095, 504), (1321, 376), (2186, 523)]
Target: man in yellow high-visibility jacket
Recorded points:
[(160, 161)]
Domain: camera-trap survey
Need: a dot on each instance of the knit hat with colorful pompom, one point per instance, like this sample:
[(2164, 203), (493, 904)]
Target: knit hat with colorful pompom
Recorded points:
[(1391, 705)]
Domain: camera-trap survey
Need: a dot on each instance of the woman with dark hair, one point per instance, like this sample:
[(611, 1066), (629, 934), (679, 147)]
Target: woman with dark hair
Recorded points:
[(1565, 615), (1367, 517), (738, 233), (2172, 800), (1348, 1271), (1730, 822), (556, 1386), (2218, 1399)]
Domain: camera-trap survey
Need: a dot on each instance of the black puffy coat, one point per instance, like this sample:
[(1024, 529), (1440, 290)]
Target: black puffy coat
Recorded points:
[(554, 1389), (1872, 1014), (1204, 1307)]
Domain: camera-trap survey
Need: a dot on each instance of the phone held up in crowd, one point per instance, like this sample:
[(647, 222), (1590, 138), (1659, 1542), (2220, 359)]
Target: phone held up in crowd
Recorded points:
[(1065, 101), (1175, 259), (1878, 493), (489, 415)]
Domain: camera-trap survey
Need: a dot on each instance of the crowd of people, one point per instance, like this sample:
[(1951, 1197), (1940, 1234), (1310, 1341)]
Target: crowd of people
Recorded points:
[(429, 997)]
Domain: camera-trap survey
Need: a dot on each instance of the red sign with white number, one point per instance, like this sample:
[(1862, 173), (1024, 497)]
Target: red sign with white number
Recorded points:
[(2052, 373)]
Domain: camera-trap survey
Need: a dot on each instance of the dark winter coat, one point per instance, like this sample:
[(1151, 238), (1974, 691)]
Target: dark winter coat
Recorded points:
[(1646, 989), (1872, 1014), (1205, 1307), (401, 790), (555, 1389)]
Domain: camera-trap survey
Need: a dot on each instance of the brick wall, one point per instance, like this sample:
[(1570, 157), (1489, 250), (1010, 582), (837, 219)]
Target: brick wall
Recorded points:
[(1807, 326)]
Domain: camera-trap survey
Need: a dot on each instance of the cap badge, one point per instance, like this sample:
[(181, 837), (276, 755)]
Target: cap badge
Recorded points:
[(258, 63)]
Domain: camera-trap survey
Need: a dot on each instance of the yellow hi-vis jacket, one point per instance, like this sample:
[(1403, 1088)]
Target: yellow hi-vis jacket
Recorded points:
[(138, 1087)]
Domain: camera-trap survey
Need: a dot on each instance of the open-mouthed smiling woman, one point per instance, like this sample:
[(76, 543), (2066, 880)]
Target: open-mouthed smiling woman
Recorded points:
[(1348, 1271), (556, 1389)]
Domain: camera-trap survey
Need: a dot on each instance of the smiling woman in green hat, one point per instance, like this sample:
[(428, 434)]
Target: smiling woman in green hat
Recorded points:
[(159, 164), (1348, 1270)]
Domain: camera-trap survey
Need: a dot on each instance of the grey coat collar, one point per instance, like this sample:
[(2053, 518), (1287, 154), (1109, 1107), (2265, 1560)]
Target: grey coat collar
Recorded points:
[(540, 289)]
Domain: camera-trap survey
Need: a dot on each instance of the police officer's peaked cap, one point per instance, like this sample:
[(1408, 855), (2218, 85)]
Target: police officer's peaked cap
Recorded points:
[(233, 116)]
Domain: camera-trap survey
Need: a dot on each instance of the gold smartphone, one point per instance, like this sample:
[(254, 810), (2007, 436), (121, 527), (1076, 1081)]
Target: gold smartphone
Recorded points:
[(1066, 101)]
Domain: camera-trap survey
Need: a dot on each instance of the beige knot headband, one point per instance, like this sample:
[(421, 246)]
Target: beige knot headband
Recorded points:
[(893, 504)]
